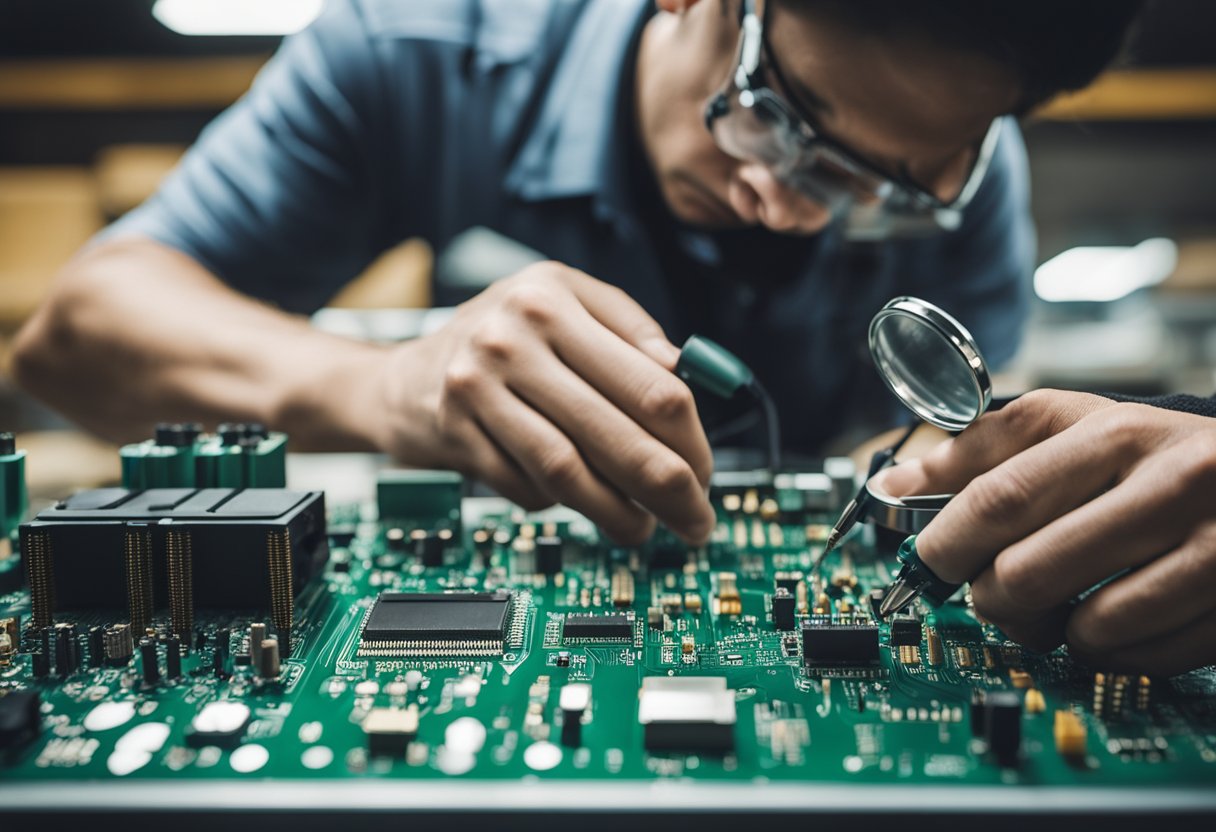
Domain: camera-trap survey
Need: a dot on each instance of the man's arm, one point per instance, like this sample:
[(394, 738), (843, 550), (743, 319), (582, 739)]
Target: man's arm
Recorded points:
[(550, 386)]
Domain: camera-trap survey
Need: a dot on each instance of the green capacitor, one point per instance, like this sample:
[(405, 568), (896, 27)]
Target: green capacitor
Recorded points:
[(14, 499)]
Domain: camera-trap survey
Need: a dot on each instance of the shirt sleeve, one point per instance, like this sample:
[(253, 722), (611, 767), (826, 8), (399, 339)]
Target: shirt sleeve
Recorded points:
[(276, 197), (1197, 405), (985, 267)]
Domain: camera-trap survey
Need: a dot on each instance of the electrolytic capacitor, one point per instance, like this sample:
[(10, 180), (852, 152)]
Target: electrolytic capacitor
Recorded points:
[(257, 634), (173, 657), (429, 549), (269, 666), (147, 658)]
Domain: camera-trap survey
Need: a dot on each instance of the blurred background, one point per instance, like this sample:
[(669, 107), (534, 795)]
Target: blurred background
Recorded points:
[(99, 99)]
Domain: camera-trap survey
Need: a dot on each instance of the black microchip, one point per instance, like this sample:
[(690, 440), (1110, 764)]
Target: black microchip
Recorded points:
[(611, 626), (839, 644), (905, 631), (783, 610), (436, 624)]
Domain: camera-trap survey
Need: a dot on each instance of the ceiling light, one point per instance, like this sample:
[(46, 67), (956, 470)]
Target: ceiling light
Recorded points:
[(236, 17)]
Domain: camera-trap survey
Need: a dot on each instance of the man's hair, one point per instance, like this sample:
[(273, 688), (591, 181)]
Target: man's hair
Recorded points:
[(1051, 46)]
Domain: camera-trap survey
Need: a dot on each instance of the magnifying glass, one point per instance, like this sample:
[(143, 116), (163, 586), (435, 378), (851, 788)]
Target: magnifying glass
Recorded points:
[(932, 364)]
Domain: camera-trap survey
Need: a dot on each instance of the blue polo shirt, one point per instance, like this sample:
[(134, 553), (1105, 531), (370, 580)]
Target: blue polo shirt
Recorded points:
[(390, 119)]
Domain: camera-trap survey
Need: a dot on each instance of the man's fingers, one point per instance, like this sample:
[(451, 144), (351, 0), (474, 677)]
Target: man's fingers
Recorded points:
[(620, 313), (494, 466), (1150, 602), (622, 452), (650, 394), (1016, 498), (556, 466), (991, 440), (1190, 646)]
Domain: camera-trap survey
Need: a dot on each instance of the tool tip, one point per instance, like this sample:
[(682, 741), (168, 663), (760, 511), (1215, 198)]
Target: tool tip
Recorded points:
[(898, 597)]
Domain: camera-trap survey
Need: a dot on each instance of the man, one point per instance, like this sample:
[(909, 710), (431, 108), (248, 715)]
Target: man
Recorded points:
[(577, 127)]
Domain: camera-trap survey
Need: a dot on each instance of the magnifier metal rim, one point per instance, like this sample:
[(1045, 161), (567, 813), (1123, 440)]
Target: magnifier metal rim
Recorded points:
[(954, 333)]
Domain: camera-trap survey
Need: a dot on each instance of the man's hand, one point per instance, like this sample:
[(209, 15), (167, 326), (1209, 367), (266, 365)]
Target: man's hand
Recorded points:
[(1060, 492), (554, 387)]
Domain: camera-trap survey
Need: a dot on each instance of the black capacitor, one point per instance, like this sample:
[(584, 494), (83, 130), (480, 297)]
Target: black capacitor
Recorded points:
[(1003, 726), (978, 716), (42, 664), (221, 651), (429, 549), (548, 555), (64, 638), (147, 657), (173, 657), (97, 645), (783, 610)]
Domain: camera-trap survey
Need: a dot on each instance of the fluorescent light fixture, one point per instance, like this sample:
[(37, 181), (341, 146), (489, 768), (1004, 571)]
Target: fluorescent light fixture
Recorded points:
[(236, 17), (1105, 273)]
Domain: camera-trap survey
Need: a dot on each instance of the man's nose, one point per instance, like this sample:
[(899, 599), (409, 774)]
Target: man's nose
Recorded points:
[(778, 206)]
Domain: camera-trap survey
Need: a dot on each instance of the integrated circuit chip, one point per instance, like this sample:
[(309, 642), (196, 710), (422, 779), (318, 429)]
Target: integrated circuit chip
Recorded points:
[(839, 644), (598, 627), (436, 624)]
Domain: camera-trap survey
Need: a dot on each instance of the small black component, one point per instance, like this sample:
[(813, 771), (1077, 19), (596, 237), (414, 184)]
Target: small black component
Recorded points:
[(905, 631), (220, 654), (147, 658), (47, 636), (97, 646), (177, 435), (839, 644), (341, 536), (64, 643), (436, 624), (614, 625), (978, 716), (783, 610), (562, 659), (221, 723), (389, 731), (791, 645), (41, 661), (1003, 726), (20, 717), (429, 549), (231, 433), (200, 640), (173, 657), (242, 659), (548, 555), (341, 566), (8, 444)]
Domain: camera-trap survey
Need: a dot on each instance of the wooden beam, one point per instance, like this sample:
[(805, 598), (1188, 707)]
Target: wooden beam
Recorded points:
[(125, 83), (1140, 95)]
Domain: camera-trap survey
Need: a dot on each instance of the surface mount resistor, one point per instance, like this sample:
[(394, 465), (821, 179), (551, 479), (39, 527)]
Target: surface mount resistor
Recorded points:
[(1099, 694), (1035, 703), (963, 657), (989, 658), (729, 602), (688, 645), (909, 654), (692, 602), (1020, 679), (933, 642)]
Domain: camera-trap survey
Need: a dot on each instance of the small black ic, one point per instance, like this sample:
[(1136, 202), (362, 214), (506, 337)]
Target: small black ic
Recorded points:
[(598, 627), (436, 624), (905, 631), (783, 610), (20, 717), (839, 644)]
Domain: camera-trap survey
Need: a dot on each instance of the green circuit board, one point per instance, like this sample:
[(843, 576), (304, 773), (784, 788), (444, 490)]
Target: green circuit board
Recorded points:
[(579, 685)]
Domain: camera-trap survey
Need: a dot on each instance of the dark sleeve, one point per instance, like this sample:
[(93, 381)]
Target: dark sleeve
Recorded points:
[(277, 197), (1174, 401)]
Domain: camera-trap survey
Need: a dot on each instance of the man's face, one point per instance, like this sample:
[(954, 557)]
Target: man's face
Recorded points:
[(899, 103)]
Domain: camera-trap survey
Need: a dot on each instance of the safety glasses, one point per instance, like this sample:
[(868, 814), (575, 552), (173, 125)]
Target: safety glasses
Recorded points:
[(750, 121)]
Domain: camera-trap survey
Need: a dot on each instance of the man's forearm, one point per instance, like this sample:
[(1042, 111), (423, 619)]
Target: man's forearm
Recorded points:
[(135, 332)]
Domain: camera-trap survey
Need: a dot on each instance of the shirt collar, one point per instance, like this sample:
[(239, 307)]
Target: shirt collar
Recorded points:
[(570, 151)]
